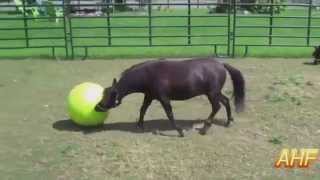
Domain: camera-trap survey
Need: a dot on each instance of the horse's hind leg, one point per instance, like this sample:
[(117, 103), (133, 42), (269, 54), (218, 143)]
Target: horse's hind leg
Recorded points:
[(225, 101), (214, 100), (168, 109), (146, 103)]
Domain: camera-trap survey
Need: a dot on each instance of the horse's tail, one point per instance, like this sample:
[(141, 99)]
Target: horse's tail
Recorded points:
[(238, 87)]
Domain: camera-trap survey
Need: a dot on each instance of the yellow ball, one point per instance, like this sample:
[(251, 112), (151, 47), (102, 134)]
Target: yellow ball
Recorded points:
[(81, 103)]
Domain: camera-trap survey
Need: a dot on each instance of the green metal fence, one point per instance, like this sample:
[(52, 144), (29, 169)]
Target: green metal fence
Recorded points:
[(188, 24), (307, 30), (150, 38), (17, 33)]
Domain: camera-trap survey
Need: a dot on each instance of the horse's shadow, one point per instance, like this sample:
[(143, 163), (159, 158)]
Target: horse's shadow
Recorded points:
[(150, 126), (311, 63)]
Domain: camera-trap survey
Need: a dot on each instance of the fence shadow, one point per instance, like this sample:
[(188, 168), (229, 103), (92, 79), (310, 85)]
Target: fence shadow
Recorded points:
[(150, 126)]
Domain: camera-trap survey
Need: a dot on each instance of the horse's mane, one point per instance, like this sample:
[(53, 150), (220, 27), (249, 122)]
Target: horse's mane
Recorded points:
[(131, 68), (136, 66)]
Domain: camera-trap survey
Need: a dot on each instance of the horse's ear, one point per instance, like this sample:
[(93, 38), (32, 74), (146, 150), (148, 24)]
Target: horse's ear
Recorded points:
[(114, 82)]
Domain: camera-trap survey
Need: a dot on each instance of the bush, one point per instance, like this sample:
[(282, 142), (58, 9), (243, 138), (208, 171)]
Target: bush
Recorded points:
[(267, 9), (121, 6), (50, 10), (106, 10), (220, 8), (254, 6), (250, 8), (31, 1)]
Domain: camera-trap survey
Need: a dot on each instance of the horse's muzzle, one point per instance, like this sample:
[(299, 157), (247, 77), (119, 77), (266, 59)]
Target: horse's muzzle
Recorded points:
[(99, 108)]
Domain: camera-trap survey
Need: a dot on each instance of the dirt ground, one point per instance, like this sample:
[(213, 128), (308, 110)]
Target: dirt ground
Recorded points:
[(39, 142)]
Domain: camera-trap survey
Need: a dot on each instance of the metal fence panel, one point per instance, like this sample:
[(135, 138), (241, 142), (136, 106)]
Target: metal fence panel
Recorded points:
[(151, 24)]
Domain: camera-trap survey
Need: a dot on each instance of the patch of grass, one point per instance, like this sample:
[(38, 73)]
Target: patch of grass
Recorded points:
[(276, 140), (70, 149), (291, 89)]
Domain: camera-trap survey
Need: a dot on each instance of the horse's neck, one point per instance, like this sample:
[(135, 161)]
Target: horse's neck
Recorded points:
[(129, 85)]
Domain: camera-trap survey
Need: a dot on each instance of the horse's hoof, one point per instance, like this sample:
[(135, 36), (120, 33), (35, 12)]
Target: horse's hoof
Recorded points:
[(156, 132), (203, 131), (139, 126), (181, 133), (228, 124)]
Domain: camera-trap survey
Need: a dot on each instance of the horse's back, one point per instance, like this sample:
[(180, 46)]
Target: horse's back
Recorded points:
[(184, 79), (199, 68)]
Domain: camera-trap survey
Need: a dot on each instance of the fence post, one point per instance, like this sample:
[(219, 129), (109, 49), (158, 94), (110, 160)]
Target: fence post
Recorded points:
[(70, 32), (108, 23), (25, 23), (271, 23), (234, 4), (150, 21), (229, 29), (65, 29), (53, 50), (71, 37), (309, 21), (189, 22)]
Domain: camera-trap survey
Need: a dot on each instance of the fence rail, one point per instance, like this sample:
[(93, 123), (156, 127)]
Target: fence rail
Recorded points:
[(151, 27)]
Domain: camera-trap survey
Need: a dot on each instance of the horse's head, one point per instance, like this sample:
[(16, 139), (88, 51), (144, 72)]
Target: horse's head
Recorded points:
[(110, 98), (316, 53)]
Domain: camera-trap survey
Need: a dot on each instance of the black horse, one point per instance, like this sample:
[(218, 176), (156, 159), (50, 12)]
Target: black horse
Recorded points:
[(316, 55), (176, 80)]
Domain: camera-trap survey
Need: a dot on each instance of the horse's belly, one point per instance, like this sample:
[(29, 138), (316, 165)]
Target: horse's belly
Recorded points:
[(182, 86), (182, 98), (180, 93)]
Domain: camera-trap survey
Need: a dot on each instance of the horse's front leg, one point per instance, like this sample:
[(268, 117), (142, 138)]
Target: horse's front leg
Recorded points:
[(146, 103), (168, 109)]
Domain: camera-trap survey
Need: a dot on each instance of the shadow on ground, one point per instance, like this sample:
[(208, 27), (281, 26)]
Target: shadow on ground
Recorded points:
[(150, 126), (311, 63)]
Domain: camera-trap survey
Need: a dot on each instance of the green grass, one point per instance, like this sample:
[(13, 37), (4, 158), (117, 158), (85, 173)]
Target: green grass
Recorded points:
[(133, 52), (38, 142)]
